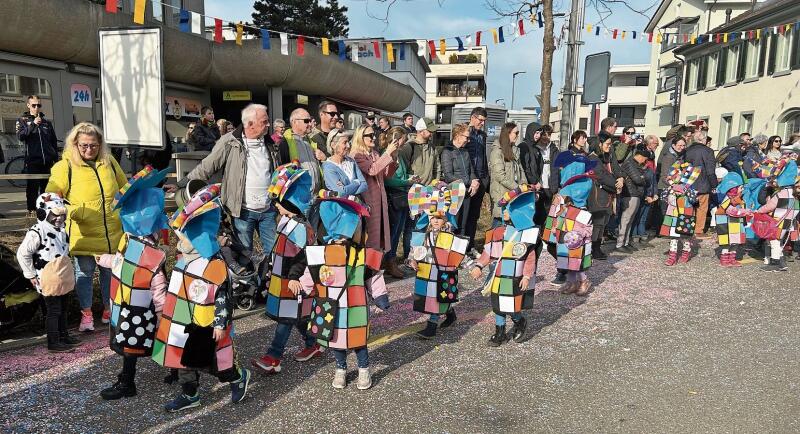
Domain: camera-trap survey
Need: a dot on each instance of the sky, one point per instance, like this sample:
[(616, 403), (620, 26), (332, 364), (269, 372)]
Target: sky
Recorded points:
[(433, 19)]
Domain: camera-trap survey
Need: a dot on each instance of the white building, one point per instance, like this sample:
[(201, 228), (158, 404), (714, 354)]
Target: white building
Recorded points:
[(457, 77), (679, 17)]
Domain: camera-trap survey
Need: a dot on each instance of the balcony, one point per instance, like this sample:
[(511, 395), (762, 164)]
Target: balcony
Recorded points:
[(456, 90)]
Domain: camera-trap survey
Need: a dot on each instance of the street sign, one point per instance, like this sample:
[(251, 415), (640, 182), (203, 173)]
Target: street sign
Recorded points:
[(595, 78), (237, 95)]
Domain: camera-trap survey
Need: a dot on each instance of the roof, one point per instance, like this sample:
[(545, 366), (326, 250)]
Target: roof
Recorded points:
[(644, 67), (651, 25)]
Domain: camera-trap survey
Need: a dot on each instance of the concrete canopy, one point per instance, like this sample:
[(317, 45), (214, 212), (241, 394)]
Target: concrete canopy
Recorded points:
[(67, 32)]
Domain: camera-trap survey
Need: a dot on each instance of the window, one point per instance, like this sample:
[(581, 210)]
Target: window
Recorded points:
[(623, 114), (671, 40), (752, 57), (783, 50), (583, 123), (790, 123), (746, 123), (642, 81), (42, 87), (393, 65), (694, 70), (711, 70), (444, 114), (731, 63), (725, 127), (9, 84), (667, 78)]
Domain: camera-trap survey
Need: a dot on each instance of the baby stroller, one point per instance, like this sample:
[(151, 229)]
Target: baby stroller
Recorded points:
[(19, 300), (245, 267)]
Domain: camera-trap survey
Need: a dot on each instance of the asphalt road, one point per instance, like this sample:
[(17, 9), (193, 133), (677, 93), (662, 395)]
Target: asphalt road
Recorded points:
[(693, 348)]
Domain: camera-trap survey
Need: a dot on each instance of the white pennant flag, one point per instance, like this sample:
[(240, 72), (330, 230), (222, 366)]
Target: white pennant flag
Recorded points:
[(284, 44), (196, 27), (354, 52), (469, 40), (421, 47)]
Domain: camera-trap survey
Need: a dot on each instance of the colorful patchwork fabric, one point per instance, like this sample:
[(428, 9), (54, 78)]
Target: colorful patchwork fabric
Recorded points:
[(730, 230), (282, 304), (133, 315), (548, 235), (683, 174), (437, 198), (572, 219), (503, 244), (786, 213), (444, 254), (512, 194), (201, 202), (282, 179), (190, 300), (339, 273), (679, 218)]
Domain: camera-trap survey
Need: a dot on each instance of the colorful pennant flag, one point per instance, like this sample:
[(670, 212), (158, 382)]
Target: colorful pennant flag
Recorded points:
[(138, 11), (111, 6), (442, 47), (217, 30), (239, 33), (469, 40), (614, 33), (342, 50), (389, 52), (494, 35), (460, 44), (301, 46), (326, 50), (284, 43), (521, 27), (403, 51), (432, 48), (196, 26), (265, 43), (500, 34), (420, 48), (183, 21), (376, 47), (588, 28), (540, 19), (478, 38)]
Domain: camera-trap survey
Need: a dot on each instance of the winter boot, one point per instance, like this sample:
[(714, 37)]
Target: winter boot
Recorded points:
[(672, 259), (449, 319), (429, 331), (70, 340), (517, 332), (772, 266), (583, 288), (123, 388), (685, 256), (54, 344), (732, 261), (782, 264), (393, 270), (724, 260), (597, 252), (499, 337)]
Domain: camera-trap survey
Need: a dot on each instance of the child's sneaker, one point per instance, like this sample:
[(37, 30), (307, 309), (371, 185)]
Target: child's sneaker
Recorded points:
[(106, 318), (340, 379), (87, 322), (183, 402), (267, 364), (364, 379), (239, 387), (307, 354)]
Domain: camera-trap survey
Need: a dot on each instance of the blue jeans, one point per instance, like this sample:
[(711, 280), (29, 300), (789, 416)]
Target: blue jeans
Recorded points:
[(500, 320), (397, 221), (84, 271), (362, 355), (247, 223), (408, 228), (640, 220), (282, 332)]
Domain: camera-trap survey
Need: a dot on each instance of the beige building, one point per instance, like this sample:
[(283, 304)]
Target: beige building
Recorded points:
[(679, 17), (746, 85), (456, 77)]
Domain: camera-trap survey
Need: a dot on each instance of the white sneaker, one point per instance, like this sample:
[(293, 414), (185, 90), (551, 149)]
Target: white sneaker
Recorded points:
[(364, 379), (340, 379), (87, 323)]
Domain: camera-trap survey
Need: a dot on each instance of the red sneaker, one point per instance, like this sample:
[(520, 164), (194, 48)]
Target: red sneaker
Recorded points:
[(267, 364), (685, 256), (308, 353), (106, 317), (672, 258)]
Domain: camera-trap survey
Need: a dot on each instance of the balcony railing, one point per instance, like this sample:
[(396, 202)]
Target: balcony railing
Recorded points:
[(454, 90)]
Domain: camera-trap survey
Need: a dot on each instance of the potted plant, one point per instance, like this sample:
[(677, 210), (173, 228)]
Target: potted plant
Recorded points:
[(470, 58), (453, 58)]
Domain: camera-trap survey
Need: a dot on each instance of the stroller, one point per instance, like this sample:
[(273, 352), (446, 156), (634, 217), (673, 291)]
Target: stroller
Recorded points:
[(19, 300), (246, 268)]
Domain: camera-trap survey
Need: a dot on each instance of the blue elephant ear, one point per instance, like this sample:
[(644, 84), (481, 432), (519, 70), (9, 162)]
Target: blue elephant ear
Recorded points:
[(142, 213), (339, 220), (202, 232), (522, 209), (145, 179), (298, 192)]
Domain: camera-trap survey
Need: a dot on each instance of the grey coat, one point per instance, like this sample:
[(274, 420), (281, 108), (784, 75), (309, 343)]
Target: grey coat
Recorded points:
[(456, 165), (504, 176)]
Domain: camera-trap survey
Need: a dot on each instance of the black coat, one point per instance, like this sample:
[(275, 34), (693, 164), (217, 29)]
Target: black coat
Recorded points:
[(605, 188), (700, 155), (635, 180), (456, 164), (532, 159), (204, 138), (40, 140)]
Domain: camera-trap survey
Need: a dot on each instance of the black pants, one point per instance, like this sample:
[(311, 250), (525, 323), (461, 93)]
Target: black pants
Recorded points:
[(469, 221), (128, 369), (55, 318), (35, 187), (542, 208), (599, 222)]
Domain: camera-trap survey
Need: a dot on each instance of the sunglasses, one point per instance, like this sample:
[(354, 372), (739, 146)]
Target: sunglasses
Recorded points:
[(370, 135), (332, 114), (630, 132), (305, 120), (36, 105)]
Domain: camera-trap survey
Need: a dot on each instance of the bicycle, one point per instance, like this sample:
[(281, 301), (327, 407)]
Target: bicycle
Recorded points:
[(16, 166)]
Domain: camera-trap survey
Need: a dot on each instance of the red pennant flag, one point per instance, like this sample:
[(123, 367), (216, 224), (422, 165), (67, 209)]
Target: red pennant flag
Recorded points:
[(432, 47), (781, 30), (614, 35), (217, 30), (478, 38), (521, 28), (376, 47), (301, 45), (716, 38), (685, 38), (649, 37), (111, 6)]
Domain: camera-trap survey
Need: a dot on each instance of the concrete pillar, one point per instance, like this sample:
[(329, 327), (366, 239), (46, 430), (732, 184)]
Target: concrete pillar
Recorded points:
[(275, 103)]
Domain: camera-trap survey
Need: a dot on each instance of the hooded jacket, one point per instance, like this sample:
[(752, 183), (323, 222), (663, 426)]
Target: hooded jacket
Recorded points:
[(532, 159), (204, 137)]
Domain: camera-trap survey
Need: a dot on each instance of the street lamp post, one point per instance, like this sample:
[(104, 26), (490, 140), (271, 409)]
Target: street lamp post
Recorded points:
[(513, 82)]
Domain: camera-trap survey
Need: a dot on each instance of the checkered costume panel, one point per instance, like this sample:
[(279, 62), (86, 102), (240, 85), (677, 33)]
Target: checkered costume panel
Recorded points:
[(548, 235), (190, 299), (444, 253), (133, 315), (282, 305), (578, 258), (786, 213), (730, 230), (679, 218), (338, 271), (507, 271)]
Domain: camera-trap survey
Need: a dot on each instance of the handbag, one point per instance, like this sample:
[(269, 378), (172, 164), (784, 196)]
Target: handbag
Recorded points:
[(765, 227), (57, 277), (446, 281), (685, 225), (200, 349), (135, 329)]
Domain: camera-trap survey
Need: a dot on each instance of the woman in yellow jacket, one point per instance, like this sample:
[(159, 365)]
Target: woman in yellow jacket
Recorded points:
[(88, 177)]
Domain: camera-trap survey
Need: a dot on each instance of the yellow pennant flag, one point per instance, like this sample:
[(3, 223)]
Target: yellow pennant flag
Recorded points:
[(623, 34), (588, 28), (442, 47), (758, 33), (138, 12), (325, 48), (658, 38), (390, 52), (694, 39), (788, 28), (494, 35), (725, 37), (239, 31)]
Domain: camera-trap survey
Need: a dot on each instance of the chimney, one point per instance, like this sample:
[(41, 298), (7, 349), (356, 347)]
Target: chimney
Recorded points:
[(728, 13)]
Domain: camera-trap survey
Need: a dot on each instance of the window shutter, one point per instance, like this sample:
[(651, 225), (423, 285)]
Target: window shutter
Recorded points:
[(686, 73), (722, 63), (701, 72), (773, 48), (795, 48), (742, 64), (762, 58)]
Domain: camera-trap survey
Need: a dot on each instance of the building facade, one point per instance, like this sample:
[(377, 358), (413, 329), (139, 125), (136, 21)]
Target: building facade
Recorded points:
[(455, 77), (746, 85)]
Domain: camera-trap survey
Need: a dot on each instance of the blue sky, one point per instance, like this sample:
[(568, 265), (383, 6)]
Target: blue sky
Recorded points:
[(426, 19)]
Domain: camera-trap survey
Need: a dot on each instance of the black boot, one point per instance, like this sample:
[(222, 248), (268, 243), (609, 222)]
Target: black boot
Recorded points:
[(428, 332), (70, 340), (123, 388), (499, 337), (782, 264), (597, 252), (449, 319), (54, 344), (518, 331), (171, 377)]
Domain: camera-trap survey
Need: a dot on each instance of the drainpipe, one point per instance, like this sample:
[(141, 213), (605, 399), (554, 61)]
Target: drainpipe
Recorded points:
[(676, 103)]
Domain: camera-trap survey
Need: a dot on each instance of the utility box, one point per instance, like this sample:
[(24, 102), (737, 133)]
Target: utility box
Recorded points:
[(495, 118)]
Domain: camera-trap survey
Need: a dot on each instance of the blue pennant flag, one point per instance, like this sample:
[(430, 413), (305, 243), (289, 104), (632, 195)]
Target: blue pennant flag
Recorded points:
[(500, 31), (185, 21), (342, 50), (540, 19), (460, 44), (634, 34), (265, 39), (403, 51)]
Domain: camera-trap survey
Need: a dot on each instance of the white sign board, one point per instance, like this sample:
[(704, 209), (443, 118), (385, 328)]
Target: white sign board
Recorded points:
[(81, 95), (132, 87)]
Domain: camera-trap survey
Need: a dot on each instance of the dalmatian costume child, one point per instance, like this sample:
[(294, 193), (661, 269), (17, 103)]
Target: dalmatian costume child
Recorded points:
[(44, 259)]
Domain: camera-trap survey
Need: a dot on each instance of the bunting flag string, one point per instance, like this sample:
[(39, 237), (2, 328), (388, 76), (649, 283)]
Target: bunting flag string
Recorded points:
[(265, 39), (325, 47), (284, 43), (111, 6), (301, 46), (196, 26), (138, 12), (239, 32), (389, 52), (217, 30)]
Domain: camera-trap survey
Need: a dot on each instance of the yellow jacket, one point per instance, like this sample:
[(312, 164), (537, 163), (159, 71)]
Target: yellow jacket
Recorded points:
[(93, 227)]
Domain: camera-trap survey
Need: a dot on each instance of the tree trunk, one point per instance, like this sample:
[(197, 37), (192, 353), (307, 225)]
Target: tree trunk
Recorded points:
[(547, 59)]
